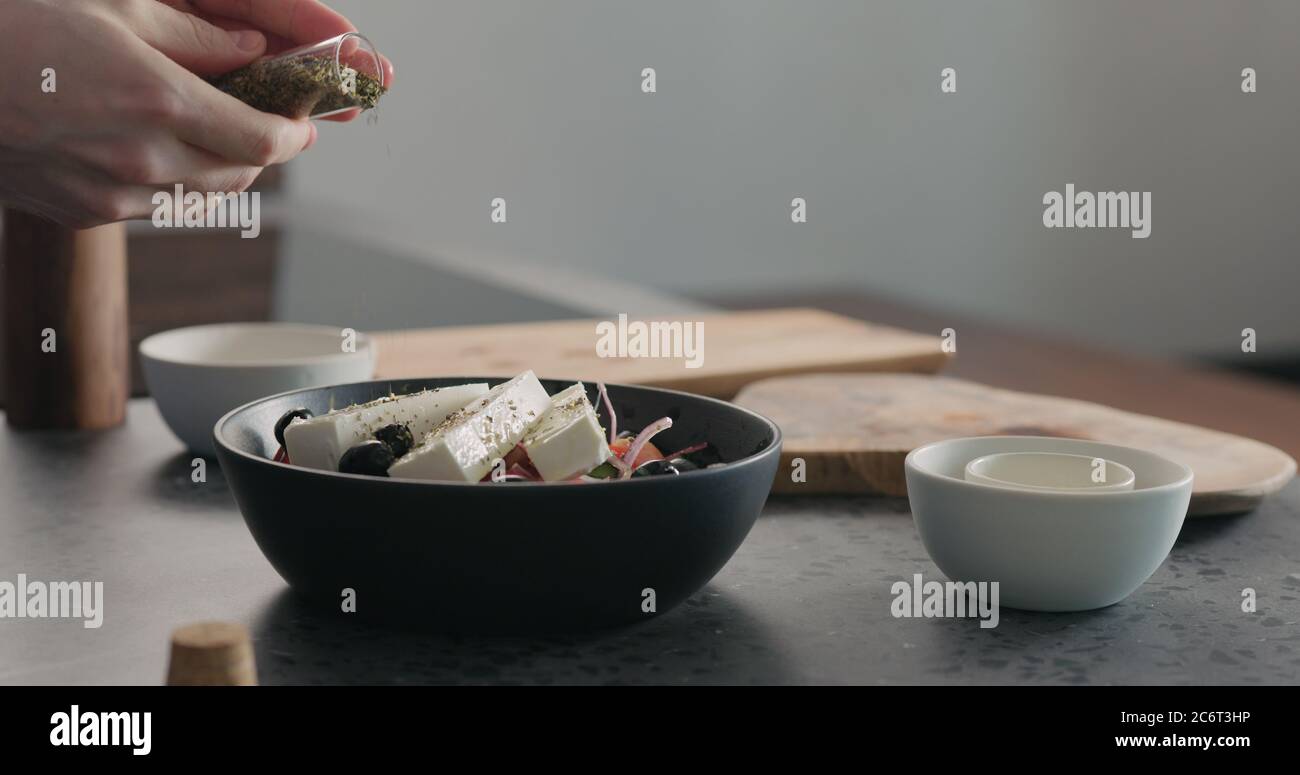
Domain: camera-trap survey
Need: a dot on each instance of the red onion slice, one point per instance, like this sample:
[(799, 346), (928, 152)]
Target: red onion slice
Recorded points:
[(624, 470), (629, 458), (686, 450), (609, 409)]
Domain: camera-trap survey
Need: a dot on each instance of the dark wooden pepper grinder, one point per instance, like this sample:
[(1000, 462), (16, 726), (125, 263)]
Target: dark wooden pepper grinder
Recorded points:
[(65, 326)]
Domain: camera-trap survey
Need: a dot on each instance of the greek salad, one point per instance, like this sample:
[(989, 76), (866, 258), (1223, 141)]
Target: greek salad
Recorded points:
[(513, 432)]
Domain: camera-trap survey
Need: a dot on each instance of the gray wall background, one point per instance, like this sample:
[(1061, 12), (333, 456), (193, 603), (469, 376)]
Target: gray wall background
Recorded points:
[(914, 194)]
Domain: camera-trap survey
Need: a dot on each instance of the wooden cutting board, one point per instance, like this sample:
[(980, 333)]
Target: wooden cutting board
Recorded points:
[(853, 432), (738, 348)]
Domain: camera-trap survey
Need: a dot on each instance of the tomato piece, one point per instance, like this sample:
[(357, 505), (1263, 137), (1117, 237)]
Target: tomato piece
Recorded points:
[(648, 452)]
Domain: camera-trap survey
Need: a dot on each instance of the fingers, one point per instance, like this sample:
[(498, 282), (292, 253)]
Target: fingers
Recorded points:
[(300, 21), (192, 42), (158, 160), (174, 102), (82, 201), (82, 196), (287, 22), (222, 125)]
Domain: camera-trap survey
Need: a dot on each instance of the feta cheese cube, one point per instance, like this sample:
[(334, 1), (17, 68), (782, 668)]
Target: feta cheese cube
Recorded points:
[(568, 440), (321, 441), (464, 447)]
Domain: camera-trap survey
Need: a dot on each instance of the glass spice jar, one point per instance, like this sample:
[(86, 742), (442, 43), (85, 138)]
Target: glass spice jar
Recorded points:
[(313, 81)]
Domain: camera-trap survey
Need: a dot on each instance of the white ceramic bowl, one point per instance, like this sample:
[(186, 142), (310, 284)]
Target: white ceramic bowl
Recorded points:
[(1049, 471), (1048, 551), (197, 374)]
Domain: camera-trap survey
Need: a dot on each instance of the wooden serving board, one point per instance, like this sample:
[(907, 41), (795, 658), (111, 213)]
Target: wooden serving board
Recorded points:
[(853, 432), (738, 348)]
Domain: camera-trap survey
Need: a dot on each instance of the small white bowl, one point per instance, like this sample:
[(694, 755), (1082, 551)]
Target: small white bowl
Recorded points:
[(1048, 550), (1050, 471), (197, 374)]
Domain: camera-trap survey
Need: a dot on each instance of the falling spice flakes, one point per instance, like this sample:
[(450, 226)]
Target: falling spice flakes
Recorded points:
[(301, 87)]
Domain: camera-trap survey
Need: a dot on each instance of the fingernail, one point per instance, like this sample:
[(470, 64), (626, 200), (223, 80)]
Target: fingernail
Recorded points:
[(311, 139), (247, 40)]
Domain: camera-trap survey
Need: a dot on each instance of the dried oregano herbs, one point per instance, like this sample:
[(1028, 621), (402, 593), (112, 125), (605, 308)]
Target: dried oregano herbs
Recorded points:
[(299, 87)]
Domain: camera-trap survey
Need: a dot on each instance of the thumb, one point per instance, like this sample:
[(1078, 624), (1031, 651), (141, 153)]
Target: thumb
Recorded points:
[(200, 47)]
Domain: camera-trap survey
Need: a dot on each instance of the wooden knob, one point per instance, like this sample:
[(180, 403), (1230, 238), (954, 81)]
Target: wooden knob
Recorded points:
[(67, 360), (212, 654)]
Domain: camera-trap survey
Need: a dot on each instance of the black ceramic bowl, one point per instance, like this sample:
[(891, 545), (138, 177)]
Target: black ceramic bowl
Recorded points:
[(517, 557)]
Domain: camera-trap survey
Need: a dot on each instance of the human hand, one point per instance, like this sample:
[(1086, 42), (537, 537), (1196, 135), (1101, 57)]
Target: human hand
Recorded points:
[(286, 23), (130, 113)]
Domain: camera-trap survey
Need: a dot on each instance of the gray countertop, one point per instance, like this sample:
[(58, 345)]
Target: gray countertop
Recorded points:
[(806, 599)]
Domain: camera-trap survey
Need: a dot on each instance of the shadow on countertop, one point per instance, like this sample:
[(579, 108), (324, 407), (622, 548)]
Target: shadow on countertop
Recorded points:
[(173, 481), (709, 639)]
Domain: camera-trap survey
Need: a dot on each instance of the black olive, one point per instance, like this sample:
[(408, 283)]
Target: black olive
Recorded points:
[(371, 457), (287, 418), (398, 438), (683, 465), (655, 468), (706, 457)]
